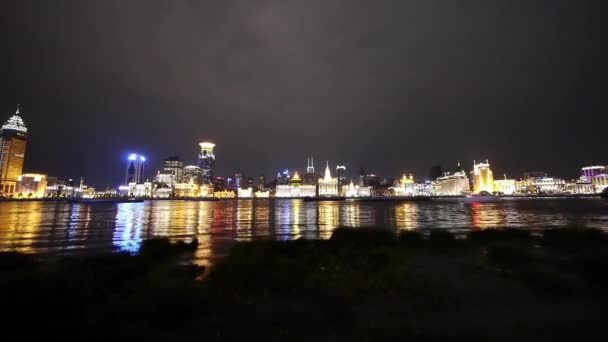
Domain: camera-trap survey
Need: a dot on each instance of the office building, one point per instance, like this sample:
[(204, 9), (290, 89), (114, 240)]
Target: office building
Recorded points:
[(596, 175), (341, 174), (31, 185), (483, 180), (261, 183), (172, 165), (192, 174), (13, 140), (352, 190), (405, 186), (505, 186), (206, 161), (245, 193), (452, 184), (135, 169), (589, 172)]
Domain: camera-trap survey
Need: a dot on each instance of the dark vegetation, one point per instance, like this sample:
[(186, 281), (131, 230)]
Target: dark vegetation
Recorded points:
[(361, 285)]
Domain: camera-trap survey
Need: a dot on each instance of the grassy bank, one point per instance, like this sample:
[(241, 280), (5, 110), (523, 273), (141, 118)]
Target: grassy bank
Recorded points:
[(360, 285)]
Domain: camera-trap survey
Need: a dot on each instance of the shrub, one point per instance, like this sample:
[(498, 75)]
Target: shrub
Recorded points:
[(572, 240), (364, 236)]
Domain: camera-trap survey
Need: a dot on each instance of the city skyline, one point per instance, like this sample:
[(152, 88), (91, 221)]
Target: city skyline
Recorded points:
[(205, 163), (415, 85)]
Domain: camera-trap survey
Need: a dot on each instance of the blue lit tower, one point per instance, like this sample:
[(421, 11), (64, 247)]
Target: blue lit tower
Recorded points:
[(135, 169), (206, 161)]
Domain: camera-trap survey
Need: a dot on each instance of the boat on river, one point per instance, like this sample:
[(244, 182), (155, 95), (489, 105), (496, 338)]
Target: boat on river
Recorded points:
[(481, 197)]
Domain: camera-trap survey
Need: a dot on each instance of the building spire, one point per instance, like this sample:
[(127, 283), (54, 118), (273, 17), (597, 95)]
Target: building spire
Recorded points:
[(327, 173), (17, 111)]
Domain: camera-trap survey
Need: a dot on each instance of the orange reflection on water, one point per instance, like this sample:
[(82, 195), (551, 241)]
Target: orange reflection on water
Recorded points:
[(406, 216), (20, 226), (329, 217), (486, 215), (351, 215)]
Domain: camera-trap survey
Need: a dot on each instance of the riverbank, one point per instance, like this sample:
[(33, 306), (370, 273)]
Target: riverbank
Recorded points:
[(361, 199), (360, 285)]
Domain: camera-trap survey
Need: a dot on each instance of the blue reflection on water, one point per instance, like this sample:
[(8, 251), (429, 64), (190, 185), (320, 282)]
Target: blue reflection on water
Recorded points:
[(130, 219)]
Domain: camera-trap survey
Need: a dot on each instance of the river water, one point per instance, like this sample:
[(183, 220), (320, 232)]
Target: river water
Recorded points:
[(60, 228)]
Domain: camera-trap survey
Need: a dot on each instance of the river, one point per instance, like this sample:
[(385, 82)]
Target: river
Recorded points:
[(61, 228)]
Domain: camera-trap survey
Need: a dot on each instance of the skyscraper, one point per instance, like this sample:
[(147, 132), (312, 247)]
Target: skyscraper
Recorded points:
[(172, 165), (206, 161), (341, 174), (310, 177), (192, 174), (135, 169), (13, 140)]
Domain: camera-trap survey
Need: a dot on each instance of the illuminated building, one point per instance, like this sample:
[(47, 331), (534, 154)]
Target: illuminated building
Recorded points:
[(295, 189), (13, 140), (261, 183), (140, 189), (206, 161), (589, 172), (224, 194), (310, 177), (165, 178), (135, 169), (192, 174), (245, 193), (205, 190), (368, 179), (505, 186), (483, 180), (31, 185), (238, 180), (186, 190), (548, 185), (600, 182), (328, 186), (283, 178), (352, 190), (172, 165), (596, 175), (405, 187), (161, 191), (454, 184), (581, 186), (56, 188), (423, 189), (341, 174), (262, 194), (219, 183)]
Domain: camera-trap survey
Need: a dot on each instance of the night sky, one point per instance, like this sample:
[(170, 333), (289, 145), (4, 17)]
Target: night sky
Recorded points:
[(390, 85)]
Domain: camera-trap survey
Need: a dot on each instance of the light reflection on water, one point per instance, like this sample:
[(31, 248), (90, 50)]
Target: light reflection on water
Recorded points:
[(61, 228)]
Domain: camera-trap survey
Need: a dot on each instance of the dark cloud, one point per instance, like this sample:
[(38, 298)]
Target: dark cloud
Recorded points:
[(392, 85)]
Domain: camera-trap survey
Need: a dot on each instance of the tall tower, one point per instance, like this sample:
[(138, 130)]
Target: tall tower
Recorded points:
[(13, 139), (206, 161), (135, 169), (310, 168), (341, 173)]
